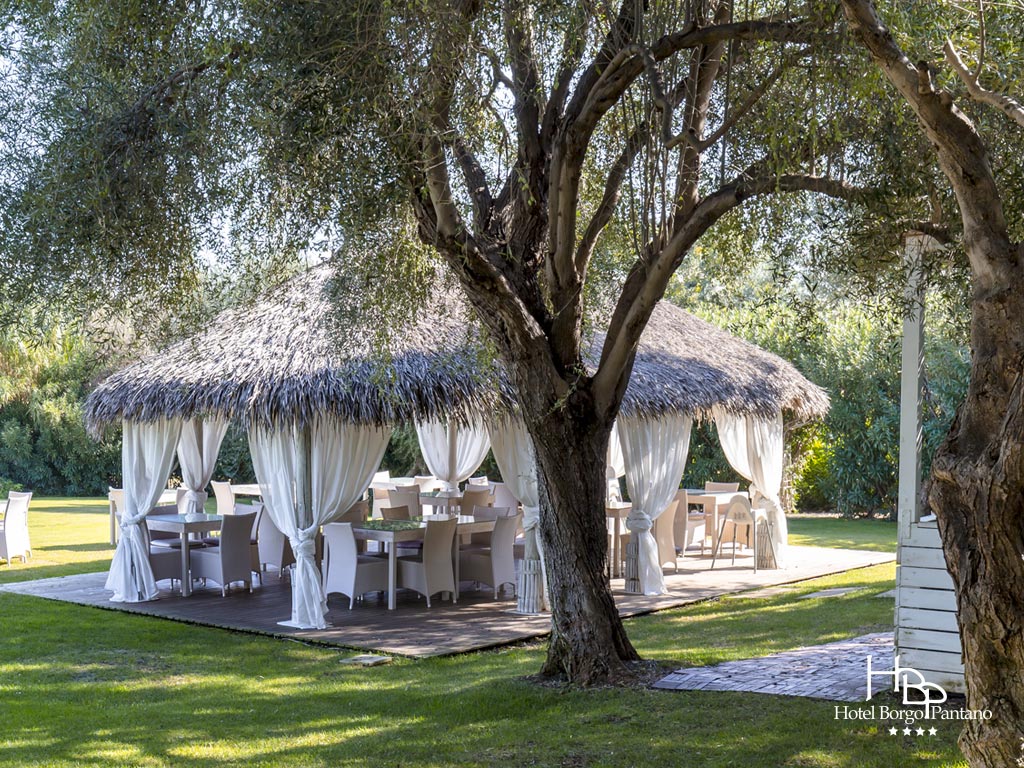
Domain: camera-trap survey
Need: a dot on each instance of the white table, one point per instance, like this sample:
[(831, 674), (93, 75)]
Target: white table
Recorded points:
[(443, 500), (184, 525), (616, 512), (246, 489), (383, 531), (169, 496)]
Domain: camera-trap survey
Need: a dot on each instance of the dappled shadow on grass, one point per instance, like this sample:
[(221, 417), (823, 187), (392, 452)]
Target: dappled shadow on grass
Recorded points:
[(92, 546), (726, 629), (89, 687)]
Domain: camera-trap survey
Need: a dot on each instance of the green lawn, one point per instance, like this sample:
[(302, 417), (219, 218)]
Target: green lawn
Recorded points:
[(842, 533), (85, 687), (68, 536)]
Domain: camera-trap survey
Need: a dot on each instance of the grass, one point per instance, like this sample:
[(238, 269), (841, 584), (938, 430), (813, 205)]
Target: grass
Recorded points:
[(842, 533), (85, 687), (68, 535)]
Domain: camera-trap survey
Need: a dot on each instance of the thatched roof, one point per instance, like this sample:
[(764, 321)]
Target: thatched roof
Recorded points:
[(286, 356)]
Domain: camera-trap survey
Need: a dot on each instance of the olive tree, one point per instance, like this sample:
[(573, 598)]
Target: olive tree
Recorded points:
[(519, 141)]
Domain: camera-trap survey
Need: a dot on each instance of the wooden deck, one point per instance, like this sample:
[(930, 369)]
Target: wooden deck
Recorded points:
[(477, 621)]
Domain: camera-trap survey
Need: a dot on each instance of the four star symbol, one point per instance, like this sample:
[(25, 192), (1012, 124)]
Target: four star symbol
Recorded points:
[(908, 731)]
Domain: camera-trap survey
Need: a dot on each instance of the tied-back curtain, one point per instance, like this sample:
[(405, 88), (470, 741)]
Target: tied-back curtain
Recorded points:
[(513, 453), (615, 463), (342, 460), (147, 455), (754, 448), (469, 450), (197, 455), (655, 451)]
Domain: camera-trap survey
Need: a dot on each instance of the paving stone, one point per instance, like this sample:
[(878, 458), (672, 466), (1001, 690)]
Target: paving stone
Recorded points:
[(889, 593), (836, 671)]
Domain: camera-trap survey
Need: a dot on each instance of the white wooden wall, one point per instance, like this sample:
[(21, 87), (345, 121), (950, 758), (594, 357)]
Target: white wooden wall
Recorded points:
[(926, 631)]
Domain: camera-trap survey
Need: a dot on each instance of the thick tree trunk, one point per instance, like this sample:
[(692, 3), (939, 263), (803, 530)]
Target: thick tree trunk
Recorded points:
[(977, 493), (977, 489), (588, 641), (569, 430)]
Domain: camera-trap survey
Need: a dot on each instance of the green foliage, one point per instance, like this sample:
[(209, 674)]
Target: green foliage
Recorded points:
[(43, 443), (234, 461), (849, 461), (403, 458)]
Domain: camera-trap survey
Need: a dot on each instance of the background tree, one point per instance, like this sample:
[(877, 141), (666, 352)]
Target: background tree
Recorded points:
[(978, 473)]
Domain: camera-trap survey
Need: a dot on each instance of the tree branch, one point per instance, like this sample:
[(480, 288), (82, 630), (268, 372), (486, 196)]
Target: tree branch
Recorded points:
[(573, 44), (648, 279), (962, 154), (476, 183), (600, 88), (1011, 107), (752, 99), (525, 78)]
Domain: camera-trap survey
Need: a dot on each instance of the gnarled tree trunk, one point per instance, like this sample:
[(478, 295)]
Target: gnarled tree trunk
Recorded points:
[(977, 489), (977, 493), (588, 641)]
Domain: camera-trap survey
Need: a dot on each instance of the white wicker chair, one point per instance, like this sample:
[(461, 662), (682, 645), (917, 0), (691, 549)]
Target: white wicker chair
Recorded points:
[(225, 497), (231, 560), (493, 565), (739, 513), (432, 571), (14, 541), (345, 570)]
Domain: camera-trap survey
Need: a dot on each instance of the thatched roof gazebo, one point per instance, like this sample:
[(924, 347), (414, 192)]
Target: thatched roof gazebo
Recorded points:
[(319, 398), (289, 356)]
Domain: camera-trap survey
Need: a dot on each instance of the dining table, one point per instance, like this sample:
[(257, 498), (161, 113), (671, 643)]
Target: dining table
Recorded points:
[(390, 532), (167, 496), (713, 502), (616, 512), (184, 525)]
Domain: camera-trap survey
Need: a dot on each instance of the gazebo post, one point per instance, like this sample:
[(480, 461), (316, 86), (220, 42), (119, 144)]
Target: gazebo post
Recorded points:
[(453, 449), (304, 476)]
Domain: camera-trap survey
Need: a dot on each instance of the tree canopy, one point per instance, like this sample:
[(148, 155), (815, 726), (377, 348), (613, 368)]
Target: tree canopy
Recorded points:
[(561, 160)]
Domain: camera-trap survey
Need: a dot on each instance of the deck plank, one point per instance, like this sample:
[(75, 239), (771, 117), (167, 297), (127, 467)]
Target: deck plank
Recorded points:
[(477, 621)]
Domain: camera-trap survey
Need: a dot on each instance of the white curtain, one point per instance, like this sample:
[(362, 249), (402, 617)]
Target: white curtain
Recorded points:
[(753, 447), (615, 464), (655, 451), (513, 452), (452, 453), (197, 454), (342, 459), (147, 455)]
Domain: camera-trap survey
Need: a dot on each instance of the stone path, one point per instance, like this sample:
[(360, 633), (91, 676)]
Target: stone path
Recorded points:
[(835, 671)]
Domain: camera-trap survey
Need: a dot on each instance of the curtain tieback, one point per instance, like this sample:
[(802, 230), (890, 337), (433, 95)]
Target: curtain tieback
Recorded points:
[(128, 523), (638, 520), (303, 547), (531, 518)]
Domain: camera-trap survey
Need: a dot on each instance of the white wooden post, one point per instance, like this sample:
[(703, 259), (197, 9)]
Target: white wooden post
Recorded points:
[(915, 244), (453, 452)]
